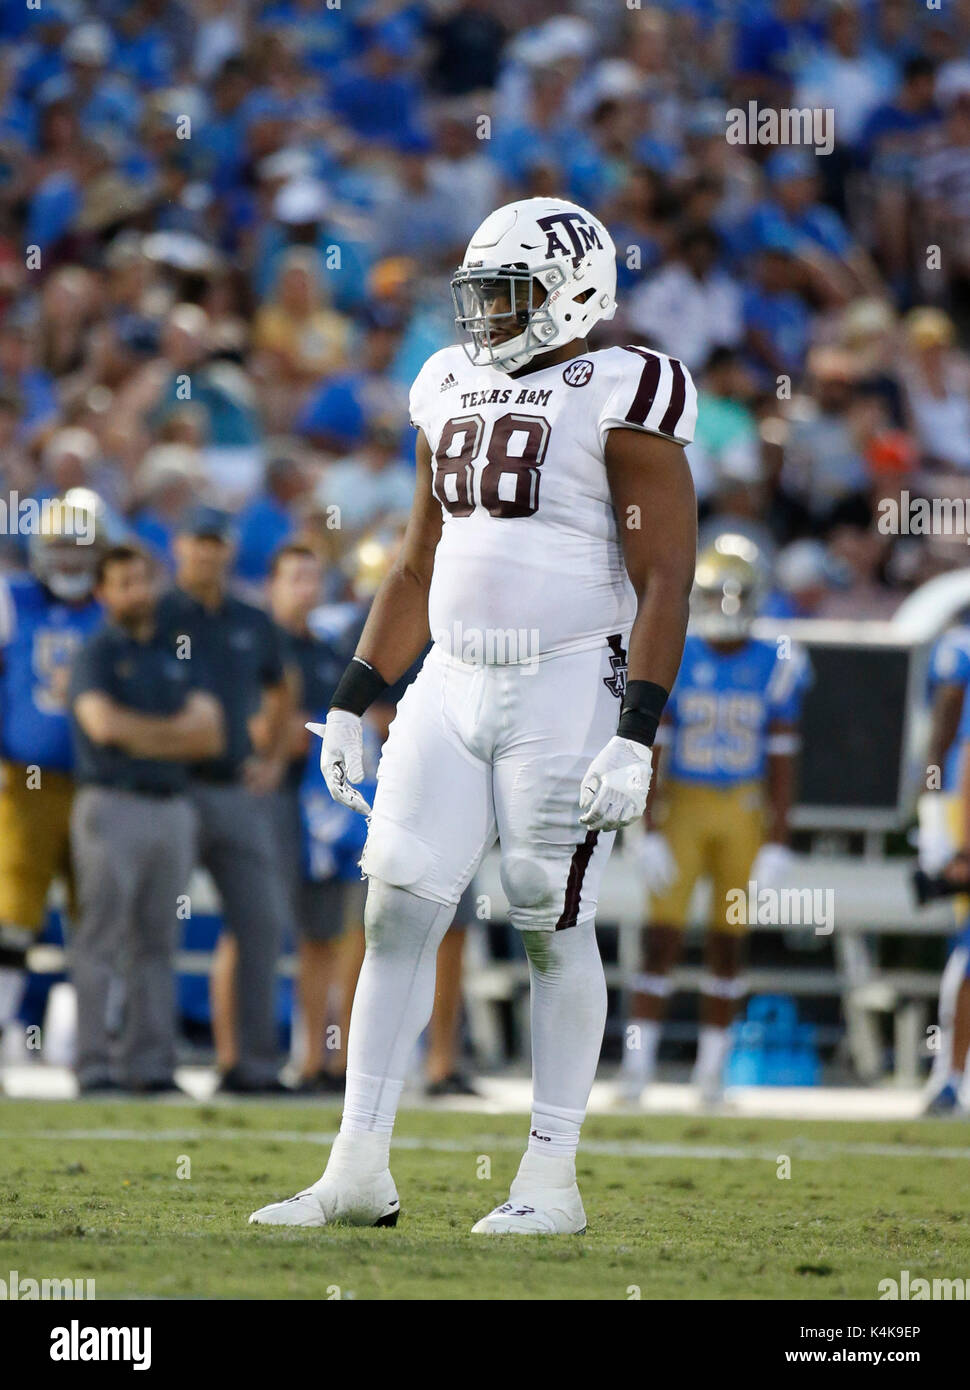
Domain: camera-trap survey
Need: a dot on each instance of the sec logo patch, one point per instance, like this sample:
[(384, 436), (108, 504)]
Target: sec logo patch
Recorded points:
[(578, 373)]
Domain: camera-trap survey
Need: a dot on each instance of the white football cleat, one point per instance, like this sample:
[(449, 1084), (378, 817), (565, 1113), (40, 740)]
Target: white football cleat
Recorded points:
[(356, 1190), (543, 1200), (370, 1202)]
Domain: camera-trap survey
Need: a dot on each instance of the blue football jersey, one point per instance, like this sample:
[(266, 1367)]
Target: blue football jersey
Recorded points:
[(722, 706), (950, 665), (39, 637)]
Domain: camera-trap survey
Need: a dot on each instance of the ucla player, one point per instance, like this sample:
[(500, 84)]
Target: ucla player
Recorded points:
[(548, 556), (729, 738), (942, 811), (45, 617)]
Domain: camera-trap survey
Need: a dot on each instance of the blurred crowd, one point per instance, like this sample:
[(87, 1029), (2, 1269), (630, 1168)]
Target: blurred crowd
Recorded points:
[(226, 232)]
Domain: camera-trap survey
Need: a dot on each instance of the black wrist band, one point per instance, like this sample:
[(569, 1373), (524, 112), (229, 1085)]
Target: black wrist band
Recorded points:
[(643, 705), (358, 687)]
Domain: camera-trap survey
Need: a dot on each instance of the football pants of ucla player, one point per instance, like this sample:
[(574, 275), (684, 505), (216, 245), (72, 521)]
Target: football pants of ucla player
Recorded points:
[(35, 812), (713, 833)]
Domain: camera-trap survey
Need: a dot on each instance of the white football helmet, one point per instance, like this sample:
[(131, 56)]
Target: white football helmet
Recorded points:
[(537, 274)]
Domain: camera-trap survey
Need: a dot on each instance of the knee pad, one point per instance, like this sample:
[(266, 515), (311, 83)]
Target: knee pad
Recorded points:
[(394, 855), (526, 882), (395, 918)]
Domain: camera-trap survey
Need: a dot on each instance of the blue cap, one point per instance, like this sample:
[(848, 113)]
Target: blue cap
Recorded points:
[(203, 520)]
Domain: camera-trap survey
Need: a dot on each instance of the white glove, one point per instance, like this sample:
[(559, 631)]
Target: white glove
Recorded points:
[(614, 790), (342, 757), (935, 845), (656, 861), (773, 865)]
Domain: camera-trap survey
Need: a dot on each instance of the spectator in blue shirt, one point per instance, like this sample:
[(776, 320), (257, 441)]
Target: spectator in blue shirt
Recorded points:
[(145, 53), (102, 98), (225, 127), (18, 119), (840, 268), (892, 136), (377, 98), (169, 481), (49, 26), (545, 136), (20, 374), (303, 215), (773, 44), (270, 519), (323, 34), (891, 145), (336, 416), (776, 318)]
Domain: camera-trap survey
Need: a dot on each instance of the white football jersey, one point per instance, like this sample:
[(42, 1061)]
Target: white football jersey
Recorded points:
[(529, 563)]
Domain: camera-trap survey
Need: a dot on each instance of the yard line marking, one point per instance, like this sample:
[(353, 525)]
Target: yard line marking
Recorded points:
[(606, 1148)]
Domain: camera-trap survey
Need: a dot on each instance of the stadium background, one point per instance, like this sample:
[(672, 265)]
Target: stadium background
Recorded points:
[(269, 199)]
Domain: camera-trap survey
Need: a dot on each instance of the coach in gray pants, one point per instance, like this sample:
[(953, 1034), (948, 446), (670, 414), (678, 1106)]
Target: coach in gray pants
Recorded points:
[(137, 720), (236, 653)]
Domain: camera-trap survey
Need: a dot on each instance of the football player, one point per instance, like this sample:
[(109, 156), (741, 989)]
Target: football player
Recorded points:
[(550, 547), (45, 617), (941, 812), (729, 739)]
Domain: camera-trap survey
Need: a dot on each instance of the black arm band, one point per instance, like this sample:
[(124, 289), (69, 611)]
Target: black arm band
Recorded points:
[(358, 687), (643, 705)]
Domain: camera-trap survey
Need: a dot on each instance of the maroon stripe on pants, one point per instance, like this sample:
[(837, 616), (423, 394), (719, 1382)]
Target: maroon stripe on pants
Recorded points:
[(574, 883)]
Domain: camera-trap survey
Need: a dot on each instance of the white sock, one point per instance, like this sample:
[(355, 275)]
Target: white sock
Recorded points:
[(641, 1041), (553, 1131), (392, 1005), (954, 973), (13, 983), (712, 1048), (370, 1103), (568, 1017)]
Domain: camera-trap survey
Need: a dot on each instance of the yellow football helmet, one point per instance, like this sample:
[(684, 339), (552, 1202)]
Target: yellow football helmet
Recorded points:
[(64, 549), (728, 588), (369, 560)]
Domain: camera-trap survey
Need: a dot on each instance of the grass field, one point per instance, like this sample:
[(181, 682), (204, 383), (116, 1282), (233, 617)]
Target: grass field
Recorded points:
[(677, 1207)]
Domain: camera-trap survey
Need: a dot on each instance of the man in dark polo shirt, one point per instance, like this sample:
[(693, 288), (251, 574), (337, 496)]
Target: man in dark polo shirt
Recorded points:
[(138, 718), (296, 580), (235, 652)]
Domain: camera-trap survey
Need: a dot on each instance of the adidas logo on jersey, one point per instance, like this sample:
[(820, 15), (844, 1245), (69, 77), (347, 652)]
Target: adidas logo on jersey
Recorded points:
[(450, 380)]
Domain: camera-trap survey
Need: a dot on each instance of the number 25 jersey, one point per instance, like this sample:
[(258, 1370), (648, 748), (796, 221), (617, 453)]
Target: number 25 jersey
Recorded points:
[(717, 724), (529, 563)]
